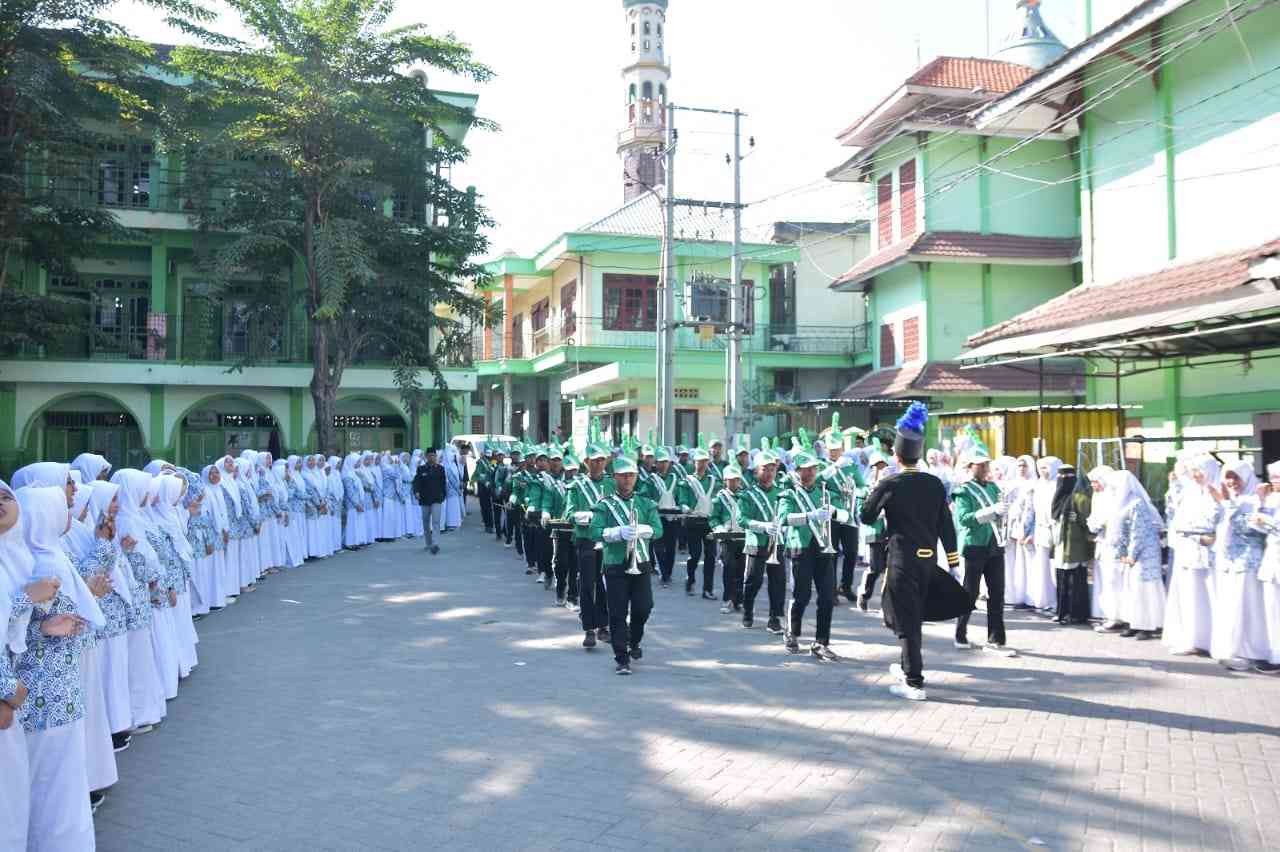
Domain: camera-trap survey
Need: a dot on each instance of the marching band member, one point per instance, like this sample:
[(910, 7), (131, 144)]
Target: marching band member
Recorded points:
[(694, 496), (661, 487), (726, 518), (980, 513), (764, 545), (806, 511)]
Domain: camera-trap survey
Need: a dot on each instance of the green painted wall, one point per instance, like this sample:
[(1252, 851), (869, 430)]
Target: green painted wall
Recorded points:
[(1041, 201), (955, 311), (958, 208), (1015, 289)]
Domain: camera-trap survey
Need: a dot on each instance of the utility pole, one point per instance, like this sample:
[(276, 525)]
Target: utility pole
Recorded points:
[(733, 363), (667, 297)]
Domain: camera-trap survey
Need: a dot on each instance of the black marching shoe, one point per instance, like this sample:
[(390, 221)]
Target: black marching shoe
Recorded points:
[(748, 623), (120, 742), (528, 570), (96, 798), (635, 652), (603, 634), (708, 596), (622, 669), (863, 602), (1129, 634), (589, 641), (664, 583), (823, 652), (774, 626), (792, 644), (688, 587)]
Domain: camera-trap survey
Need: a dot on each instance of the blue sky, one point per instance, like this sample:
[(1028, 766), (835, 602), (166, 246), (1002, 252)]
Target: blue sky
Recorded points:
[(801, 70)]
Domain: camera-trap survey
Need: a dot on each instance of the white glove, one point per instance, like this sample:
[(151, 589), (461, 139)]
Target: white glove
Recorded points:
[(769, 528), (511, 501), (841, 516), (627, 533), (1002, 509), (582, 519), (987, 515), (644, 531), (613, 535), (546, 518), (820, 516), (797, 519)]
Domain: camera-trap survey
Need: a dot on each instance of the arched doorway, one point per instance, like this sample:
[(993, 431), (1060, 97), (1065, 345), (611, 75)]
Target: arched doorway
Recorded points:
[(224, 424), (369, 423), (86, 423)]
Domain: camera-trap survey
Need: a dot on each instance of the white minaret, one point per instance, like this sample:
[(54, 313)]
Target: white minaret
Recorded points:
[(1031, 43), (644, 83)]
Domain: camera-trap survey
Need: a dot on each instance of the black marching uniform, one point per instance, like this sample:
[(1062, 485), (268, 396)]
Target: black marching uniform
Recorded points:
[(915, 507)]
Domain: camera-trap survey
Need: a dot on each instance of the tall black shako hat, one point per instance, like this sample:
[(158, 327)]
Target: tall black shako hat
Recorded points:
[(909, 442)]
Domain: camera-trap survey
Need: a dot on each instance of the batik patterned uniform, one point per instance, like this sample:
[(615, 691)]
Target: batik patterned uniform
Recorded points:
[(144, 575), (1239, 618), (1269, 577), (1138, 539), (114, 608), (50, 669)]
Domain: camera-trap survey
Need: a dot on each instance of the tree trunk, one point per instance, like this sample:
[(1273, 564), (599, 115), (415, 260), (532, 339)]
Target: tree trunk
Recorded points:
[(415, 421), (325, 377)]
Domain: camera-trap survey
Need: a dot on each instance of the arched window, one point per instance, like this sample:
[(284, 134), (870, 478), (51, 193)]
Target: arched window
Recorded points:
[(646, 91), (631, 93)]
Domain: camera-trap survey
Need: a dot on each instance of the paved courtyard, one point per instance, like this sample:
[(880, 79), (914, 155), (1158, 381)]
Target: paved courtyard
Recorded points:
[(392, 700)]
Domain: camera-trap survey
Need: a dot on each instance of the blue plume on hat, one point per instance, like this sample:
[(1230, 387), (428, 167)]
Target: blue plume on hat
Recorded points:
[(914, 420)]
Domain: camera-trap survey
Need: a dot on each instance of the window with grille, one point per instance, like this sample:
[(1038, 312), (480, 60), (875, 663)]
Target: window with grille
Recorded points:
[(782, 298), (884, 210), (123, 174), (630, 302), (888, 350), (907, 198), (517, 336), (568, 309), (910, 339), (538, 317)]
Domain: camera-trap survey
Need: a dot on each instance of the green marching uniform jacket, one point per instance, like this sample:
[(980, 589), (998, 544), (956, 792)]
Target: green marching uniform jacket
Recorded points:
[(613, 511), (756, 504), (501, 476), (687, 492), (520, 482), (725, 511), (969, 502), (551, 496), (798, 501), (657, 487), (584, 494), (483, 475), (846, 487)]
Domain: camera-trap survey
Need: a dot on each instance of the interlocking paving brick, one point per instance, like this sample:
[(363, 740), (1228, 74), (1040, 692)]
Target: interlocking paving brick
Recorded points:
[(386, 710)]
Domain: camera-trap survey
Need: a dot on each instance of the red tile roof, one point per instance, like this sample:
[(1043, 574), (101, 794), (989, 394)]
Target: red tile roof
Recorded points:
[(958, 72), (965, 246), (1167, 288), (945, 377)]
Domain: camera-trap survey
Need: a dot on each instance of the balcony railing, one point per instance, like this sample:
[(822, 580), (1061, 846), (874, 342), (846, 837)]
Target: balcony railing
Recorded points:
[(596, 331)]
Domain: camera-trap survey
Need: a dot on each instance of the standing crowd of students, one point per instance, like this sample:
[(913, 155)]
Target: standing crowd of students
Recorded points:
[(103, 577)]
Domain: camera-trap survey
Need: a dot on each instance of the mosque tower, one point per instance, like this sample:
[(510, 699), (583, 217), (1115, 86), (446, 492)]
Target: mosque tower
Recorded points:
[(1031, 43), (644, 81)]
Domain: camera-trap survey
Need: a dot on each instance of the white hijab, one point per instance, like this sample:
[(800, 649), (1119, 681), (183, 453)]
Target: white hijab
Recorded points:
[(47, 519), (214, 506), (334, 479), (90, 465), (16, 566), (1126, 493), (244, 483), (168, 517), (42, 475), (314, 476), (131, 519), (79, 538), (100, 494), (1100, 511), (1046, 488)]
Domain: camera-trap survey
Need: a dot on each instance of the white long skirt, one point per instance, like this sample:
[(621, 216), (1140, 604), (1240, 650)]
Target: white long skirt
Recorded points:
[(1042, 585), (335, 532), (146, 694), (1110, 582), (60, 817), (15, 787), (1271, 611), (296, 539), (354, 534), (100, 757), (185, 629), (1239, 619), (1024, 560), (410, 511), (1143, 602), (247, 561), (453, 511), (372, 523), (315, 538), (206, 576), (115, 682), (1188, 612), (164, 642), (279, 550), (230, 587), (392, 519)]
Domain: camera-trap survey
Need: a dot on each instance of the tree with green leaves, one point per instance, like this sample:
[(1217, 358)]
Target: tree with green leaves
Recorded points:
[(315, 157), (69, 79)]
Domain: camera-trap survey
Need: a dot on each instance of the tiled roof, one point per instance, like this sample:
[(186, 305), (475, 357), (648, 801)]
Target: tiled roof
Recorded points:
[(944, 377), (963, 246), (1167, 288), (960, 72)]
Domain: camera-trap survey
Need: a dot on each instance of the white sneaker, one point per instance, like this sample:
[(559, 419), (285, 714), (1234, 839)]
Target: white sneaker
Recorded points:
[(1236, 664), (964, 646), (999, 650), (911, 693), (895, 669), (726, 609)]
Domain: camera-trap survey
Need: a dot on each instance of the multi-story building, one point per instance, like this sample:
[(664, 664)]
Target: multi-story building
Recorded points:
[(579, 331), (1171, 109), (152, 374), (957, 247)]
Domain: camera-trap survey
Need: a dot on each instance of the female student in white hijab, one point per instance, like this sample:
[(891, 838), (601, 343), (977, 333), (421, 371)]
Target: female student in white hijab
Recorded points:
[(171, 520), (92, 467), (294, 523), (164, 628), (1194, 514), (355, 532), (60, 819), (333, 500), (1239, 620), (1021, 477), (313, 481), (1267, 521), (1107, 585), (1134, 537), (279, 509), (116, 608), (373, 495), (250, 553), (412, 511), (453, 496), (222, 583), (392, 506), (1042, 589), (92, 563), (265, 540), (146, 687)]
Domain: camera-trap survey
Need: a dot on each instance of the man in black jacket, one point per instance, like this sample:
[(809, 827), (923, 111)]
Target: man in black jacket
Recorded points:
[(429, 487)]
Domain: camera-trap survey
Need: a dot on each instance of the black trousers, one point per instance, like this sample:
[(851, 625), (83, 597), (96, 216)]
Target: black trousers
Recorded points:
[(628, 593), (1074, 600), (592, 597), (879, 558), (664, 549), (907, 587), (731, 560), (485, 495), (543, 537), (812, 568), (984, 563), (700, 549), (533, 545), (757, 569), (846, 541), (499, 521), (565, 558)]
